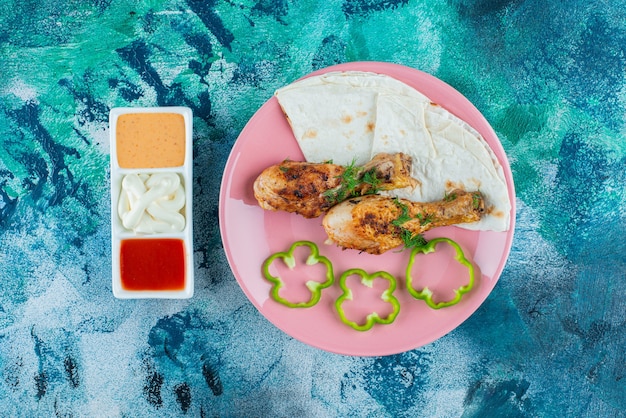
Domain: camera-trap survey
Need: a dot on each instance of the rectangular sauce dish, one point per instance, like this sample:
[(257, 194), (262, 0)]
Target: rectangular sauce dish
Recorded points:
[(151, 202)]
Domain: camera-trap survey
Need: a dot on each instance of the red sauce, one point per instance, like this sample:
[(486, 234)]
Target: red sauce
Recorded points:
[(152, 264)]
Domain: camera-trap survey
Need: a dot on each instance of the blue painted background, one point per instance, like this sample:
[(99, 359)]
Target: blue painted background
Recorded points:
[(549, 76)]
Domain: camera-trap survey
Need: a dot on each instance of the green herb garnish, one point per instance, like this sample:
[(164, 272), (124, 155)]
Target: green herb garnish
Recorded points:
[(371, 179), (425, 219), (476, 199), (404, 214), (449, 197), (353, 184), (410, 239)]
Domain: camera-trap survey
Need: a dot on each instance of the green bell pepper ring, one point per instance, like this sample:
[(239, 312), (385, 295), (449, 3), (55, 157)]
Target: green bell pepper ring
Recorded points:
[(368, 279), (290, 261), (426, 294)]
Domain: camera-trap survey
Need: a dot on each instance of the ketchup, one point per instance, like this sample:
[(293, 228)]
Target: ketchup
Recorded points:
[(152, 264)]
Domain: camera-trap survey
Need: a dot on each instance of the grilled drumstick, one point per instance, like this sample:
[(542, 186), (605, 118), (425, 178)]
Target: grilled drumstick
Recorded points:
[(375, 223), (310, 189)]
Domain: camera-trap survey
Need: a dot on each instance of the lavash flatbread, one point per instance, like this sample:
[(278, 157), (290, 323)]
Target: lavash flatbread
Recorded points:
[(352, 116), (333, 116), (447, 154)]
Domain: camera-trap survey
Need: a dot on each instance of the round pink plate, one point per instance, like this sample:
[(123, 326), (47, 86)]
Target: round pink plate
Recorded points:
[(251, 234)]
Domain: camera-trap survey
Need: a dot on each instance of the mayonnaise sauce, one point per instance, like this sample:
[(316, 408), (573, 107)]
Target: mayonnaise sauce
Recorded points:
[(151, 204)]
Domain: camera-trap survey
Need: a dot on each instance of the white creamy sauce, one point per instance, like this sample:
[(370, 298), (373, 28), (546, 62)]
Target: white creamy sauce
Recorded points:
[(151, 204)]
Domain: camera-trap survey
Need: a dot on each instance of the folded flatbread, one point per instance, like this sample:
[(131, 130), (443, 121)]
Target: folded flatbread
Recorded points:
[(352, 116), (447, 154), (333, 116)]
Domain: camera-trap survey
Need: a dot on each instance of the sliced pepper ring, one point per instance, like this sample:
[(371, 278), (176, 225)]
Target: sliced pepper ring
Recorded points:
[(426, 294), (288, 258), (386, 296)]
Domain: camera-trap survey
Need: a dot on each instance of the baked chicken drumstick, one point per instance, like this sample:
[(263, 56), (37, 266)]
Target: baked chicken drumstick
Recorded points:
[(310, 189), (376, 224)]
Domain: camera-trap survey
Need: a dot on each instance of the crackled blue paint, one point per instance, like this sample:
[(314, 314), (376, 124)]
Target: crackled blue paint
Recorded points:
[(549, 77)]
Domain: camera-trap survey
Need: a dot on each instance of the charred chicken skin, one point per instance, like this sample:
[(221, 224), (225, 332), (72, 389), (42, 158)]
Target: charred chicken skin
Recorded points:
[(375, 224), (311, 189)]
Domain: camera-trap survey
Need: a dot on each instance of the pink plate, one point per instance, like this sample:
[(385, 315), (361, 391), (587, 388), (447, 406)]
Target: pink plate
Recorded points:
[(251, 234)]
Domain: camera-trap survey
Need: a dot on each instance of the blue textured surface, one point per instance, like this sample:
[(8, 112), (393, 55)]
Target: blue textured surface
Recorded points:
[(549, 76)]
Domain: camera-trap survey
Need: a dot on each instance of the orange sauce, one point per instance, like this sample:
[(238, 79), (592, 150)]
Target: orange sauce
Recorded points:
[(152, 264), (150, 140)]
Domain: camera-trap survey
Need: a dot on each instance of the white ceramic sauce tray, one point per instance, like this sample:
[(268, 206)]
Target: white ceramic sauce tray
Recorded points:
[(151, 202)]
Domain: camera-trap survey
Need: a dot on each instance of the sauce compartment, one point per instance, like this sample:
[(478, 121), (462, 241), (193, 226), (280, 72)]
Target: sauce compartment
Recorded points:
[(151, 202)]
